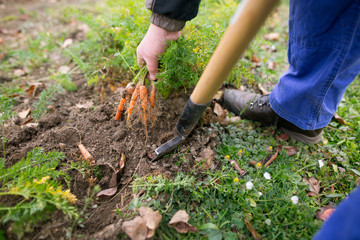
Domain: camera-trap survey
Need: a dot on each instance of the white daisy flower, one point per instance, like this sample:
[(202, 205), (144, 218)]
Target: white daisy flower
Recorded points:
[(249, 185), (295, 199), (321, 163), (267, 176), (260, 194)]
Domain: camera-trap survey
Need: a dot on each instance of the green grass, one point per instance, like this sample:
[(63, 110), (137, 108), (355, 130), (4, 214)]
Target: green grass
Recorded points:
[(218, 205), (217, 200)]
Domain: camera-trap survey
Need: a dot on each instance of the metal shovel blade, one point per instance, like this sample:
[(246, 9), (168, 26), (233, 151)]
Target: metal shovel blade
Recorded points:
[(166, 148)]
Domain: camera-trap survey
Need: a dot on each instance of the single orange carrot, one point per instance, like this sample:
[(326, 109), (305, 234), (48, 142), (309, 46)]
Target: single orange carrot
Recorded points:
[(120, 109), (88, 157), (152, 96), (143, 98), (133, 100)]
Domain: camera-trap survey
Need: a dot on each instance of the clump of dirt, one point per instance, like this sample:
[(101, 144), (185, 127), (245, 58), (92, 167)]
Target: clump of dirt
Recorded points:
[(70, 123)]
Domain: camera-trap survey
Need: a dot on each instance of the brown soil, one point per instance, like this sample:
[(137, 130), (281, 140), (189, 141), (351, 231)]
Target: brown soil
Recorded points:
[(106, 139)]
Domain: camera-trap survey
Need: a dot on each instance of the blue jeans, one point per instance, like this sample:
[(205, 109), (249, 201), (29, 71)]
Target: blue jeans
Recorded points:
[(343, 224), (324, 58)]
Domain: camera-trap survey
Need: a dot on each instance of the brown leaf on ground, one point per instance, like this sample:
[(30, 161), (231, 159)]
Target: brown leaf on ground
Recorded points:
[(136, 229), (314, 186), (152, 219), (28, 120), (122, 162), (272, 36), (19, 72), (31, 90), (325, 212), (253, 163), (23, 114), (339, 119), (253, 232), (272, 158), (218, 110), (208, 155), (271, 65), (64, 69), (86, 105), (262, 89), (107, 192), (291, 150), (227, 120), (283, 137), (113, 180), (255, 59), (67, 43), (236, 166), (180, 222), (218, 95)]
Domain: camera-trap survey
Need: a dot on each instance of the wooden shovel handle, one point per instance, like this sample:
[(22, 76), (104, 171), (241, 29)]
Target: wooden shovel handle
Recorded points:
[(246, 22)]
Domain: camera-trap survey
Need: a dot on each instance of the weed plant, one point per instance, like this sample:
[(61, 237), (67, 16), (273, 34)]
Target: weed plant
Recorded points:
[(35, 184), (6, 112)]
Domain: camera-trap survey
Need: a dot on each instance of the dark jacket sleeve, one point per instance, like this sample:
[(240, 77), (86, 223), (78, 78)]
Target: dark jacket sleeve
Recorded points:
[(172, 14)]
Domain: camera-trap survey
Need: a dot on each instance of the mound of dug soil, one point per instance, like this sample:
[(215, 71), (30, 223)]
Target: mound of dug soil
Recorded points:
[(77, 118)]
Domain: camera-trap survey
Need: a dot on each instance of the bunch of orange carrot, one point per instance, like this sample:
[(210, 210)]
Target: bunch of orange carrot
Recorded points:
[(134, 92)]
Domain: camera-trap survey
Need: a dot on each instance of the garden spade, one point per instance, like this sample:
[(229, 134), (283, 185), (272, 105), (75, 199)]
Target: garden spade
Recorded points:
[(243, 26)]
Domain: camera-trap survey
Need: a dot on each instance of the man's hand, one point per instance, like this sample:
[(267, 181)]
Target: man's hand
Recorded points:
[(152, 46)]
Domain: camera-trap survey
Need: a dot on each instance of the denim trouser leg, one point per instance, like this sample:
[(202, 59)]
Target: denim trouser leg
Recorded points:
[(324, 58)]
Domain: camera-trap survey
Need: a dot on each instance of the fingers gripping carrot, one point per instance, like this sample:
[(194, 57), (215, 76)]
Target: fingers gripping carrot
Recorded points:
[(133, 100), (120, 109), (143, 98)]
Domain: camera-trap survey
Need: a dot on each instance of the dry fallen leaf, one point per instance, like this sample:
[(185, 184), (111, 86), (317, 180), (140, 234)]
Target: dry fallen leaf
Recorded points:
[(23, 114), (19, 72), (325, 212), (122, 162), (208, 155), (229, 120), (180, 222), (253, 232), (136, 229), (271, 65), (33, 125), (218, 110), (152, 219), (272, 158), (339, 119), (283, 137), (67, 43), (314, 186), (113, 180), (236, 166), (272, 36), (218, 95), (107, 192), (291, 150), (64, 69), (262, 89), (86, 105), (31, 90), (255, 59)]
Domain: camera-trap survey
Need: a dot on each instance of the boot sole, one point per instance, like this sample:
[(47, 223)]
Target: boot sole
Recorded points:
[(303, 138)]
